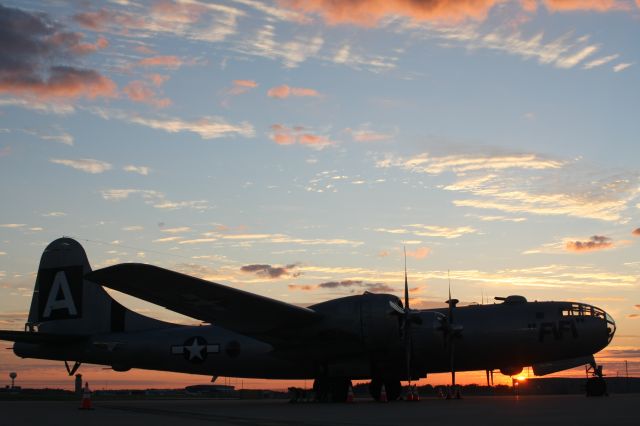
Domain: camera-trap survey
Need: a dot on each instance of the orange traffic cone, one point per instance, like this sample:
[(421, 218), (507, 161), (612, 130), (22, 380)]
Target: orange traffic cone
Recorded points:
[(383, 394), (350, 394), (85, 403)]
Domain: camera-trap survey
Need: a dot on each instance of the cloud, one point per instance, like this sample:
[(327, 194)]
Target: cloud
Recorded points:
[(12, 225), (565, 51), (283, 135), (460, 163), (153, 198), (600, 61), (208, 127), (157, 79), (169, 61), (633, 316), (241, 86), (264, 270), (54, 214), (419, 253), (141, 170), (35, 50), (621, 67), (346, 55), (284, 91), (139, 91), (177, 230), (597, 242), (369, 13), (49, 107), (364, 135), (194, 20), (122, 194), (86, 48), (167, 239), (292, 53), (636, 232), (5, 151), (349, 284), (430, 231), (528, 183), (592, 5), (87, 165), (441, 231)]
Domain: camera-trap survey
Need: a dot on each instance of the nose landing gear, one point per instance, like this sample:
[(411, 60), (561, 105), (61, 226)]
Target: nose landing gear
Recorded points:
[(596, 385)]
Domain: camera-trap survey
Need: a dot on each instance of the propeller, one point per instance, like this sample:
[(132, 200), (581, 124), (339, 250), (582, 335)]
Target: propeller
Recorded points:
[(451, 331), (405, 319)]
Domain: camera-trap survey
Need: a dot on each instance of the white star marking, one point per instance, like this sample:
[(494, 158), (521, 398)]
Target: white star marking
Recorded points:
[(195, 350)]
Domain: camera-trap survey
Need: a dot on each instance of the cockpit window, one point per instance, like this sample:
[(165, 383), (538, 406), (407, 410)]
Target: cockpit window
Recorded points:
[(582, 310)]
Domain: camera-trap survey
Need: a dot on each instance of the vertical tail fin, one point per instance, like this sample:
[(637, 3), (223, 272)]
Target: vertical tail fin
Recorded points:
[(65, 303)]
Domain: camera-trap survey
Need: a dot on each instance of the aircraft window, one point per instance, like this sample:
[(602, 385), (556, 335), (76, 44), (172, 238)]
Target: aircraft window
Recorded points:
[(580, 310)]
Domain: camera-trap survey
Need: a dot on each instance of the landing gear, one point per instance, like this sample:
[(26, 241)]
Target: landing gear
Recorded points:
[(596, 385), (392, 387), (331, 389)]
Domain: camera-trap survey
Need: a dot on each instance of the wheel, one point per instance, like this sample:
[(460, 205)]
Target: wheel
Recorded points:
[(321, 389), (393, 388), (596, 386), (339, 388), (374, 388)]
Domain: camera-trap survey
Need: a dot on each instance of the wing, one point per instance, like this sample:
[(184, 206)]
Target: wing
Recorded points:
[(237, 310)]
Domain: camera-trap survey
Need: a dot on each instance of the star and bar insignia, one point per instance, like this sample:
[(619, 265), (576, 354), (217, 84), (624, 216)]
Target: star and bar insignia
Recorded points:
[(195, 349)]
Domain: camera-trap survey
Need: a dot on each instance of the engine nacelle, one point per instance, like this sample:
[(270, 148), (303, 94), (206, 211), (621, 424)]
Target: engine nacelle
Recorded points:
[(511, 371), (368, 316), (380, 323)]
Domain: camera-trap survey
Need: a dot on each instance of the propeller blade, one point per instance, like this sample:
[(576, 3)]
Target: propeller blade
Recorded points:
[(406, 281), (399, 309)]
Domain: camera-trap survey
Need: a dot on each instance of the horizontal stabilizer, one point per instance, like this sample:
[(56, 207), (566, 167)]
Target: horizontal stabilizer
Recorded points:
[(40, 338), (544, 368)]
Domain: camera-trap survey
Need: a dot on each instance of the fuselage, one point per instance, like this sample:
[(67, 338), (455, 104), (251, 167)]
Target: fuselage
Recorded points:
[(498, 336)]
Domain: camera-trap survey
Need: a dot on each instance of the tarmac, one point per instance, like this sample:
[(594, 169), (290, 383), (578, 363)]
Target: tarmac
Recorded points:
[(621, 409)]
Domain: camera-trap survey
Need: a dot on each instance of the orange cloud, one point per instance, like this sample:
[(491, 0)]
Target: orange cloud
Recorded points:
[(595, 5), (245, 83), (310, 139), (283, 135), (597, 242), (157, 79), (636, 231), (85, 48), (419, 253), (161, 61), (36, 48), (139, 91), (241, 86), (284, 91), (63, 82), (369, 12), (99, 20)]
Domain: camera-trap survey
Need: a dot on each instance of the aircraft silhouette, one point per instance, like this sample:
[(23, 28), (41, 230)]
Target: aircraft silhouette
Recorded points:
[(367, 336)]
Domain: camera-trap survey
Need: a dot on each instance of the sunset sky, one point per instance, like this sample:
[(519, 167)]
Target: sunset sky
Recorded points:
[(497, 139)]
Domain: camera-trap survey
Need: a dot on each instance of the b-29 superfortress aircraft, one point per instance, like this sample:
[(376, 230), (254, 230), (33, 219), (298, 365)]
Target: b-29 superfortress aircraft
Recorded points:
[(368, 336)]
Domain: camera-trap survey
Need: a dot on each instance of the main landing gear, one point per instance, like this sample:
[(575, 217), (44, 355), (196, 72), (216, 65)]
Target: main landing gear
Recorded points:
[(331, 389)]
